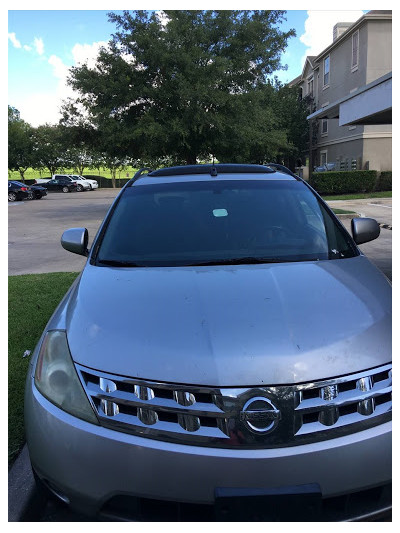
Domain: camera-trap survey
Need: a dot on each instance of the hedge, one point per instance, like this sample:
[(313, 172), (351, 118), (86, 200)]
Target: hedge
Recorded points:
[(332, 182), (384, 182)]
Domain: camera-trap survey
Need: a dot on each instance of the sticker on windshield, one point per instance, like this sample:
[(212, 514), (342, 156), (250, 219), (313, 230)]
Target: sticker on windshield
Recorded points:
[(220, 212)]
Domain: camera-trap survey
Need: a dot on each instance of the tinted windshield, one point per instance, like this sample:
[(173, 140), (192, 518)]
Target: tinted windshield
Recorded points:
[(212, 222)]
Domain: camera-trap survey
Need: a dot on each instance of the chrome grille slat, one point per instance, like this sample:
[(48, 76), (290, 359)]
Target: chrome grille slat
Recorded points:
[(344, 398), (290, 414), (124, 423), (200, 409), (344, 420)]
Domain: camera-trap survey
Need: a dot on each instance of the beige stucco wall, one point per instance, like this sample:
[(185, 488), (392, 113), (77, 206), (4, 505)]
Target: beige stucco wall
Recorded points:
[(379, 49), (378, 152)]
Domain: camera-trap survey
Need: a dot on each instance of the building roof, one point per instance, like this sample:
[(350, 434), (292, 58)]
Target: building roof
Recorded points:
[(371, 15)]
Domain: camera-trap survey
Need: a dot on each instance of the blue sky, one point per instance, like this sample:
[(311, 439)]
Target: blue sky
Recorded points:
[(44, 44)]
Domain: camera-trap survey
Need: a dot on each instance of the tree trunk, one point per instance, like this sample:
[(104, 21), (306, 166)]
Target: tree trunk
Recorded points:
[(113, 173), (191, 159), (21, 173)]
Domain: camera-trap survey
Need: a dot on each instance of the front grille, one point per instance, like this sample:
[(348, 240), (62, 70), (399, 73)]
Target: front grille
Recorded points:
[(247, 417)]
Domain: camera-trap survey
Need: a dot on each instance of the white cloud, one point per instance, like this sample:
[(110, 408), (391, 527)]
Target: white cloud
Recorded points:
[(60, 70), (318, 27), (162, 18), (87, 53), (39, 46), (27, 48), (41, 107), (14, 40)]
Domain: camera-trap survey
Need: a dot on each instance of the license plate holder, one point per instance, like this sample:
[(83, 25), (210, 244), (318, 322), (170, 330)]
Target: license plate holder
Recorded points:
[(296, 503)]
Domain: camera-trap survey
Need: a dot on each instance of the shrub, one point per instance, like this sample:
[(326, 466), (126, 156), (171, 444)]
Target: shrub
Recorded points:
[(343, 182), (106, 183), (384, 182)]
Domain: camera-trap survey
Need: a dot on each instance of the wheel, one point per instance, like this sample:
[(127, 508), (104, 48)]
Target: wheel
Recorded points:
[(12, 196), (65, 189), (30, 195), (79, 188)]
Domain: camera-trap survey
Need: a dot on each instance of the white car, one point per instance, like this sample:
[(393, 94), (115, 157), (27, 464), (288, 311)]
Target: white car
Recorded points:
[(92, 183)]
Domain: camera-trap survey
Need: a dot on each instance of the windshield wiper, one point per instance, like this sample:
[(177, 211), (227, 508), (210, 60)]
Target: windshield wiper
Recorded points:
[(113, 262)]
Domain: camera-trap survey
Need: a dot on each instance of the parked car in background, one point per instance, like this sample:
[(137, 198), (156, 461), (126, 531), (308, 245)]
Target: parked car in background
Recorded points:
[(38, 191), (83, 185), (93, 183), (225, 353), (17, 191), (61, 184), (325, 167)]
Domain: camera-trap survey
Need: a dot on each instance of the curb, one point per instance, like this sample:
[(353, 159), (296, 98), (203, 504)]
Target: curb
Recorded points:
[(347, 216), (24, 502)]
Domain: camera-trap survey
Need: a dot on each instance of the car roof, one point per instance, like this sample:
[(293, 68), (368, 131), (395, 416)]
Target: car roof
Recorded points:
[(211, 173)]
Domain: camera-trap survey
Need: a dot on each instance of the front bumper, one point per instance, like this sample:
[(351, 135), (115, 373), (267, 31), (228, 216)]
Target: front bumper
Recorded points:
[(90, 465)]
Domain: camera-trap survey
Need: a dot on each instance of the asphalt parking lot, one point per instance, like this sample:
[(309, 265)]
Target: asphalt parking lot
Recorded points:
[(35, 228)]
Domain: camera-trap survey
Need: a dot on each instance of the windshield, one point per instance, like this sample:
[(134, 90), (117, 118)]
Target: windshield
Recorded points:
[(220, 222)]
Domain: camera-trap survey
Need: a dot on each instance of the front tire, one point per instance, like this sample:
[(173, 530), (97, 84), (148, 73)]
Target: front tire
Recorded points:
[(65, 189), (12, 196), (79, 188)]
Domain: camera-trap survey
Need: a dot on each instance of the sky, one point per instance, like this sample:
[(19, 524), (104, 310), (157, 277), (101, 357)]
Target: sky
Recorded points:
[(43, 44)]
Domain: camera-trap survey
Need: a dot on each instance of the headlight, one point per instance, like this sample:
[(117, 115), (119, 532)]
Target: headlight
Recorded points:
[(57, 380)]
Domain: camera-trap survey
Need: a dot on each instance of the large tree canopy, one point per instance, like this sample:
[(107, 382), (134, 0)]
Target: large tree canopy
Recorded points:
[(20, 142), (189, 84)]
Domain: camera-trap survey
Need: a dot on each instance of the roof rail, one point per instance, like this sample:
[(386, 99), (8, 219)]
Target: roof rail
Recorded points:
[(212, 169), (282, 168), (140, 172)]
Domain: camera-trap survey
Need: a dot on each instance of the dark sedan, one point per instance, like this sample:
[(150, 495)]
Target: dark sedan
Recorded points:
[(37, 191), (60, 185), (17, 191)]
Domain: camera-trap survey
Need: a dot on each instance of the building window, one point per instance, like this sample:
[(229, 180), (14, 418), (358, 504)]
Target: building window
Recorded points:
[(324, 126), (310, 86), (354, 50), (326, 70), (323, 157)]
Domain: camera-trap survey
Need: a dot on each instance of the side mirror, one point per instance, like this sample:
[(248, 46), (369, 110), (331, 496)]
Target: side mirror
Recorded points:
[(364, 229), (75, 240)]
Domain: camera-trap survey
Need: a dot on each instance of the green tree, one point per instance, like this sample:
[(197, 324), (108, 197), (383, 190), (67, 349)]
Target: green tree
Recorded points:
[(49, 148), (188, 85), (20, 143), (291, 111)]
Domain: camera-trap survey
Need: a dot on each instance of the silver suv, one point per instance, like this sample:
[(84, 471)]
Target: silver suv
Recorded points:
[(225, 354)]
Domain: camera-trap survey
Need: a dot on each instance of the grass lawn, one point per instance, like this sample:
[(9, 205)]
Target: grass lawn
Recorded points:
[(31, 301), (359, 196), (343, 212)]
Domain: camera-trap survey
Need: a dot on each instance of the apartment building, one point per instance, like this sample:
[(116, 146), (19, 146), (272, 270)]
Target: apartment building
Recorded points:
[(348, 87)]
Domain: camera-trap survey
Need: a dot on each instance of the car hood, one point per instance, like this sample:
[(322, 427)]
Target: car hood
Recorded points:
[(230, 325)]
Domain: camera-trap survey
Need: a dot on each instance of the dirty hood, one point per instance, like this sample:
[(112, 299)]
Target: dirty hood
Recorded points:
[(231, 325)]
